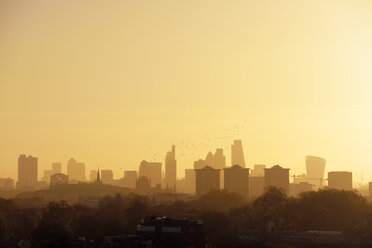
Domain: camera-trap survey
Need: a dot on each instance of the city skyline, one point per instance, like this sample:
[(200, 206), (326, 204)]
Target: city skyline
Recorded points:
[(64, 168), (288, 78)]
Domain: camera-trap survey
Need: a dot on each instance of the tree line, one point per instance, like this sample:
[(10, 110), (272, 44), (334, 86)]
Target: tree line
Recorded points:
[(223, 214)]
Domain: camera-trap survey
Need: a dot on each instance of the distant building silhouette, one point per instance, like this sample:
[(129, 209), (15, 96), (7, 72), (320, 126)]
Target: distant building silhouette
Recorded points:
[(6, 184), (315, 167), (206, 180), (297, 188), (27, 172), (171, 169), (219, 160), (107, 176), (256, 186), (278, 177), (237, 180), (58, 178), (237, 154), (190, 181), (216, 160), (342, 180), (93, 175), (130, 179), (370, 191), (151, 170), (143, 185), (200, 164), (76, 170), (46, 177), (258, 170), (56, 168)]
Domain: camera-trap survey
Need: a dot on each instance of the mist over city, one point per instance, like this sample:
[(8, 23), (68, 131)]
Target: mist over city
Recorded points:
[(191, 124)]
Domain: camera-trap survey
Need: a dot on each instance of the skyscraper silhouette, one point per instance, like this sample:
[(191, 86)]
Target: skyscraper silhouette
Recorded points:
[(315, 167), (27, 172), (278, 177), (171, 169), (76, 170), (152, 171), (342, 180), (207, 179), (236, 179), (237, 154)]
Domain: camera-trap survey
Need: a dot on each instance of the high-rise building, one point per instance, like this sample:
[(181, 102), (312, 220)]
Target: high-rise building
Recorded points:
[(216, 160), (256, 186), (46, 177), (237, 180), (130, 179), (56, 168), (27, 172), (6, 184), (207, 179), (76, 170), (237, 154), (93, 175), (107, 176), (219, 160), (199, 164), (190, 181), (151, 170), (315, 167), (278, 177), (258, 170), (342, 180), (171, 169)]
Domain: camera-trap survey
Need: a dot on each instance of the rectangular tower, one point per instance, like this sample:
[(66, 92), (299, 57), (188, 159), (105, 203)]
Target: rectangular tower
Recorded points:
[(27, 172), (237, 154), (207, 179), (278, 177), (237, 180)]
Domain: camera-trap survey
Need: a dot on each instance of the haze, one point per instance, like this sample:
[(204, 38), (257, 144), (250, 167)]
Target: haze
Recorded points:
[(113, 83)]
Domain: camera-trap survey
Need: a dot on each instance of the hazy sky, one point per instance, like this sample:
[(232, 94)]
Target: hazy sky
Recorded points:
[(113, 82)]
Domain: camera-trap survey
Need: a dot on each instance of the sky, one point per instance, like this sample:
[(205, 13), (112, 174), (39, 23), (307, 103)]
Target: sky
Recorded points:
[(111, 83)]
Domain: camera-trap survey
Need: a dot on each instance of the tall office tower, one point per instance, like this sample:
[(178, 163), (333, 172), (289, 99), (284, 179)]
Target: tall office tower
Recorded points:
[(190, 181), (342, 180), (315, 167), (209, 159), (107, 176), (278, 177), (258, 170), (75, 170), (237, 180), (152, 171), (237, 154), (27, 172), (171, 169), (130, 179), (219, 160), (93, 175), (207, 179), (56, 168), (200, 164)]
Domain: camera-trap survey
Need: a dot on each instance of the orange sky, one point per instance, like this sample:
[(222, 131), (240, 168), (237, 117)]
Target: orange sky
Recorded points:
[(112, 83)]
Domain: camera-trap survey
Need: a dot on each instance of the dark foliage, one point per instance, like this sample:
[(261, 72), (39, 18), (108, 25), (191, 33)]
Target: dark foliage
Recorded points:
[(223, 214)]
